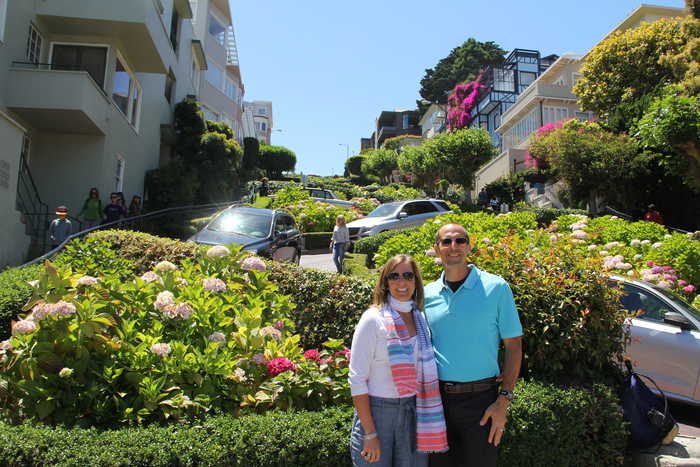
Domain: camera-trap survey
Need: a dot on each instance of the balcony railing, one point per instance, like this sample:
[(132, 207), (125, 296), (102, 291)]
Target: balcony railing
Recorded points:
[(231, 48), (58, 67)]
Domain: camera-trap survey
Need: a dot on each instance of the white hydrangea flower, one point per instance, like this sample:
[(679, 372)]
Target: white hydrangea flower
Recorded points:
[(162, 349), (218, 251), (87, 280), (165, 266), (213, 284)]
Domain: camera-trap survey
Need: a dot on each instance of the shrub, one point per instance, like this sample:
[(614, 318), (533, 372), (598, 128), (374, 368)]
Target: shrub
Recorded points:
[(545, 216), (14, 293), (327, 304), (680, 252), (562, 420), (613, 229), (390, 193), (212, 335), (95, 257), (370, 245)]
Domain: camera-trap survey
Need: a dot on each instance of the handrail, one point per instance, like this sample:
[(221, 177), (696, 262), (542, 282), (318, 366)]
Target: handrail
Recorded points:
[(128, 220), (630, 217)]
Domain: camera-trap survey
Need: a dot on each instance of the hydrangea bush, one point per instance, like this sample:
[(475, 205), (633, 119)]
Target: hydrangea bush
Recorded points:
[(210, 335)]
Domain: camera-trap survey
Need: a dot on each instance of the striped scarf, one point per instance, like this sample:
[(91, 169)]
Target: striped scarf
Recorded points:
[(421, 379)]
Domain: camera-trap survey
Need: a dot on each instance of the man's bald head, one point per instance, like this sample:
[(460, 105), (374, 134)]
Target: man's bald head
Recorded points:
[(451, 227)]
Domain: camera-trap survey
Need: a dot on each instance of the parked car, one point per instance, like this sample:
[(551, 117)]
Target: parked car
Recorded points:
[(665, 338), (269, 233), (396, 215), (327, 196)]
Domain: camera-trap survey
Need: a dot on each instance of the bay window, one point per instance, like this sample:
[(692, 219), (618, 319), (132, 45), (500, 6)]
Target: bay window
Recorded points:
[(126, 92)]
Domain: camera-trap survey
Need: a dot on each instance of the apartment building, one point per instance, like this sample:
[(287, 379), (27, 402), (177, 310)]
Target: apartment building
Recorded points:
[(260, 112), (87, 89), (390, 124), (548, 99), (220, 92), (433, 120)]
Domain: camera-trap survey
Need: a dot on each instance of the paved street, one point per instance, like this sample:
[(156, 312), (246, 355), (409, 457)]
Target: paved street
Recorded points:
[(323, 262)]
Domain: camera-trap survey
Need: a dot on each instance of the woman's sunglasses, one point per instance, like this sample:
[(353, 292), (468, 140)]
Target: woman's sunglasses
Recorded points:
[(449, 241), (394, 276)]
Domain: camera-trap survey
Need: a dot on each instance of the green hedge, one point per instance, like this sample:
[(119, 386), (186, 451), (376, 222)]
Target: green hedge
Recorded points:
[(370, 245), (328, 304), (317, 240), (546, 426), (14, 293)]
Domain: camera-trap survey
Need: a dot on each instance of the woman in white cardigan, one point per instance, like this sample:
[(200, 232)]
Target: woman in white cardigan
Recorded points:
[(339, 241)]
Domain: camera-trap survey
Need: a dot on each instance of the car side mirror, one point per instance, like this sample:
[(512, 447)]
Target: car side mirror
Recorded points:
[(402, 215), (676, 319)]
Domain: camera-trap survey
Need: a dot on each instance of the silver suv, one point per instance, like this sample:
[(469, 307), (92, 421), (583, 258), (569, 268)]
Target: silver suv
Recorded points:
[(664, 338), (396, 215), (327, 196)]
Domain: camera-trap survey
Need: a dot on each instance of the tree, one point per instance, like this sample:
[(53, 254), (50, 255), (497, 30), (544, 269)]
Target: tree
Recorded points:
[(353, 165), (593, 162), (673, 121), (627, 65), (462, 64), (380, 162), (693, 7), (251, 153), (276, 159)]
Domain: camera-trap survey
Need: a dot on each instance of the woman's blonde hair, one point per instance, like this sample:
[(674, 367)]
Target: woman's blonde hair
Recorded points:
[(381, 290), (340, 217)]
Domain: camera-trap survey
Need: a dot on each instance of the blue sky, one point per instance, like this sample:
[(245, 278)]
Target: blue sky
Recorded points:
[(331, 67)]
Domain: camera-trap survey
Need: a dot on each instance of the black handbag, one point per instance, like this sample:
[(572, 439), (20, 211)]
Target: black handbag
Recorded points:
[(647, 413)]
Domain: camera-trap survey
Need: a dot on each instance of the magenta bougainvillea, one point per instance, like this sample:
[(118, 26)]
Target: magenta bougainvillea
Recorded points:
[(461, 101)]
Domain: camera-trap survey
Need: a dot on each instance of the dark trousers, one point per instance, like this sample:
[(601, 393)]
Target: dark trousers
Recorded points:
[(469, 446)]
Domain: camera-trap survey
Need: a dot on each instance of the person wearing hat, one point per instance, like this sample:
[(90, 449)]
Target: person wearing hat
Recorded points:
[(60, 228)]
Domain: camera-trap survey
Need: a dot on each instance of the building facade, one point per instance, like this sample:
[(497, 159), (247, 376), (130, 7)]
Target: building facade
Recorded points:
[(260, 112), (390, 124), (433, 121), (87, 91), (220, 90)]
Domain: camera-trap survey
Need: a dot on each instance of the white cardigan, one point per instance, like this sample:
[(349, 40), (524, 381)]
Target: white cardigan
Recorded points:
[(341, 234), (370, 371)]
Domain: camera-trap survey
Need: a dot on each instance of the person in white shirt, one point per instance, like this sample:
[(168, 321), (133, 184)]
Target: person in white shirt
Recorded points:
[(339, 241), (393, 375)]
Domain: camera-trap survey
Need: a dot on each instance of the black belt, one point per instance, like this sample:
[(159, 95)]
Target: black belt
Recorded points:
[(454, 387)]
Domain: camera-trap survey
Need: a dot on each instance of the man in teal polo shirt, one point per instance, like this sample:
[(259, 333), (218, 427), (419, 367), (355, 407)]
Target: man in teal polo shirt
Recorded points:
[(470, 312)]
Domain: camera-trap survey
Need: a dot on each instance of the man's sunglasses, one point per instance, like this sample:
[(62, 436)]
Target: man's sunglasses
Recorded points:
[(449, 241), (394, 276)]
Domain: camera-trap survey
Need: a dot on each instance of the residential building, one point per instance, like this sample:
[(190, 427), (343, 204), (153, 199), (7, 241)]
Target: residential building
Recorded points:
[(221, 89), (261, 113), (548, 99), (433, 121), (87, 89), (390, 124), (503, 84)]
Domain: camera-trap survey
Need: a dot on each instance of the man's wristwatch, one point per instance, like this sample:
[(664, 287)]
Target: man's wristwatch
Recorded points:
[(506, 393)]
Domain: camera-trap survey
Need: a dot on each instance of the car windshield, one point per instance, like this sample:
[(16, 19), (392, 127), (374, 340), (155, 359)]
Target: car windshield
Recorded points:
[(384, 210), (677, 301), (240, 222)]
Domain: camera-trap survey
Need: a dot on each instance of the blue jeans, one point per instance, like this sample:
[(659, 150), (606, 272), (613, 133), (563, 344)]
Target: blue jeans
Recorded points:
[(395, 421), (338, 255)]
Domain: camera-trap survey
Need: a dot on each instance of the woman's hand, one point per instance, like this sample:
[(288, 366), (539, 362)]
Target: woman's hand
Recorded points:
[(370, 450)]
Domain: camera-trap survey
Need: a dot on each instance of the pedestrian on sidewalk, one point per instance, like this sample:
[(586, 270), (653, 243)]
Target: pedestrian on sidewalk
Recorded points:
[(339, 241), (470, 312), (91, 211), (114, 210), (60, 228), (135, 206), (398, 417)]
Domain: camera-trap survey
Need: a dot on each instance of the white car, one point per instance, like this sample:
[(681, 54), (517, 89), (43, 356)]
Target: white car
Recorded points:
[(396, 215), (327, 196), (665, 339)]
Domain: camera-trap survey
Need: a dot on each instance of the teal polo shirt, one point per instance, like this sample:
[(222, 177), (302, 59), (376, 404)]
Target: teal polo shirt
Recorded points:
[(467, 325)]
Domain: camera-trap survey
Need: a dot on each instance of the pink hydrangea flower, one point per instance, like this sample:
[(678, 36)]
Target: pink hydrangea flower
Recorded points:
[(430, 252), (437, 260), (41, 310), (150, 276), (259, 359), (664, 284), (579, 234), (164, 300), (688, 289), (62, 308), (279, 324), (213, 284), (253, 263), (162, 349), (87, 280), (312, 354), (650, 264), (657, 270), (183, 310), (280, 365), (6, 345), (682, 283), (23, 326)]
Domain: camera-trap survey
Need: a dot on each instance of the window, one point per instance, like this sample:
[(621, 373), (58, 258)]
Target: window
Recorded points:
[(583, 116), (174, 28), (263, 126), (217, 30), (230, 89), (170, 86), (34, 42), (526, 79), (554, 114), (215, 76), (405, 121), (649, 307), (419, 207), (262, 111), (119, 180), (560, 81), (503, 80), (92, 59), (3, 15), (126, 92)]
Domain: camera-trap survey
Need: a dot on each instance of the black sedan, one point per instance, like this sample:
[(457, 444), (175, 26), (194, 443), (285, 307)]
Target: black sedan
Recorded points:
[(269, 233)]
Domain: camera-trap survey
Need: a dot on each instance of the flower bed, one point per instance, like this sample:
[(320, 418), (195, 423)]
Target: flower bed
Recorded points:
[(176, 342)]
